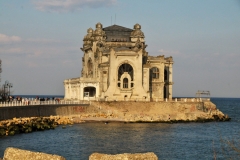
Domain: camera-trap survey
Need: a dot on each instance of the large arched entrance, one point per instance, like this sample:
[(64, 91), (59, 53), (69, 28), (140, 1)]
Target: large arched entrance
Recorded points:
[(125, 76), (89, 92), (125, 67)]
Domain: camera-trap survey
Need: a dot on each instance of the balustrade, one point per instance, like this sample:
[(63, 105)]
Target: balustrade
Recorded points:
[(38, 102), (62, 102)]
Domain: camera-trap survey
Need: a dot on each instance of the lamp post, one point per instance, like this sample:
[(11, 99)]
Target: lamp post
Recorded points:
[(9, 86), (5, 86), (6, 89)]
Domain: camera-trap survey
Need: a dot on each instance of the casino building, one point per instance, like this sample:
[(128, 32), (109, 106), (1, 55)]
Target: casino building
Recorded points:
[(117, 67)]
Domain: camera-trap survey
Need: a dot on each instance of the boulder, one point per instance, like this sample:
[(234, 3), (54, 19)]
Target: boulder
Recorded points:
[(20, 154), (125, 156)]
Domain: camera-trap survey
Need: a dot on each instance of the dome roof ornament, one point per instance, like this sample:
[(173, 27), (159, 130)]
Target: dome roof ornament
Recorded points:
[(90, 30), (99, 32), (99, 25), (89, 35), (87, 40), (137, 33), (137, 26)]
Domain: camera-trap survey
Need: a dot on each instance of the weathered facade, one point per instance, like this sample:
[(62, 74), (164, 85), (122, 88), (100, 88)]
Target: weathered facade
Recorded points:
[(116, 66)]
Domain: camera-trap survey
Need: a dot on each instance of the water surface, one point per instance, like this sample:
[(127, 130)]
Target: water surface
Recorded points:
[(169, 141)]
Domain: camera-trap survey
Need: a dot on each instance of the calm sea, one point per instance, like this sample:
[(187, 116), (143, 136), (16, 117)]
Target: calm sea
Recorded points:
[(184, 141)]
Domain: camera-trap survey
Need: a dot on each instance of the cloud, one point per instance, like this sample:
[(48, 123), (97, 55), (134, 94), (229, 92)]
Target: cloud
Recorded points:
[(169, 52), (34, 44), (42, 40), (9, 39), (40, 49), (11, 50), (70, 5)]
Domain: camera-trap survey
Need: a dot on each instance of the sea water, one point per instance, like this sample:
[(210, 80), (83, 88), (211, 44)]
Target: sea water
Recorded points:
[(168, 141)]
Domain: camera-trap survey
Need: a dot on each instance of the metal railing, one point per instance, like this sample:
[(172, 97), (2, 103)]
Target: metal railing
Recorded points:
[(38, 102), (64, 102), (154, 99), (187, 99)]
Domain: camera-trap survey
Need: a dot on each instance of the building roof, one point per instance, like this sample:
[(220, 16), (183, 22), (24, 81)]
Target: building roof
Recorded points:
[(117, 28), (116, 33)]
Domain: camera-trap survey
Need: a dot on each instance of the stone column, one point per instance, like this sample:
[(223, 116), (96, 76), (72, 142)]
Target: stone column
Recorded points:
[(97, 90), (170, 81), (81, 94), (78, 92), (69, 89)]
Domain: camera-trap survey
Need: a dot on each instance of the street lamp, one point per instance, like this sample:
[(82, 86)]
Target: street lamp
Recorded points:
[(6, 88), (9, 86)]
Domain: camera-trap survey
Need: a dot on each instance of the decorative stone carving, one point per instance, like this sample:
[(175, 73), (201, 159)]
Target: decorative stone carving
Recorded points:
[(137, 33), (100, 37), (82, 73), (138, 45), (87, 40), (99, 34), (90, 68), (89, 36)]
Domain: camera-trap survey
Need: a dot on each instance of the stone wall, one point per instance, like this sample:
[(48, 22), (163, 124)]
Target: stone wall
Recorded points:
[(121, 111), (42, 110)]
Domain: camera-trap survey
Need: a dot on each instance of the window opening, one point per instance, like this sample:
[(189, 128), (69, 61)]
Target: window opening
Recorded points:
[(155, 73), (125, 83), (125, 68), (89, 91), (165, 75), (132, 85)]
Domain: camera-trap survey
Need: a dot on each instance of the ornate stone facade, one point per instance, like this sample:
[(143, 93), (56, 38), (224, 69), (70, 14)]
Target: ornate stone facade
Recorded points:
[(116, 66)]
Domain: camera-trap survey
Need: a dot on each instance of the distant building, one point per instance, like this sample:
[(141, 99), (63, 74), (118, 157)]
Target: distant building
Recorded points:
[(116, 66)]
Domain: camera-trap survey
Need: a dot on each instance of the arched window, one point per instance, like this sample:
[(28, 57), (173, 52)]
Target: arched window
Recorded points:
[(125, 83), (154, 72), (125, 68)]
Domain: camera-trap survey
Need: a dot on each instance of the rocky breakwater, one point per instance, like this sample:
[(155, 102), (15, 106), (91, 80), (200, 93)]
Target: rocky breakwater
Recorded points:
[(124, 156), (154, 112), (20, 154), (213, 113), (30, 124)]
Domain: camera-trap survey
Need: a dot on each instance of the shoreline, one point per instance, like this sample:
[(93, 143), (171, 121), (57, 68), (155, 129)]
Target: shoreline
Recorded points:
[(32, 124), (101, 120), (110, 112)]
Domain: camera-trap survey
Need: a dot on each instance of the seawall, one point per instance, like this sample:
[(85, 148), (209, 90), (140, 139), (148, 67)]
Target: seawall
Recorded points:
[(42, 110), (121, 111)]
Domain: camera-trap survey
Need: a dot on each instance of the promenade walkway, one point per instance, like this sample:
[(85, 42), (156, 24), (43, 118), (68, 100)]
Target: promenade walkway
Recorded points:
[(69, 102)]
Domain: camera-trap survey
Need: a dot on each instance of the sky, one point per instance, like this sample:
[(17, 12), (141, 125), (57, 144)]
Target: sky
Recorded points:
[(40, 41)]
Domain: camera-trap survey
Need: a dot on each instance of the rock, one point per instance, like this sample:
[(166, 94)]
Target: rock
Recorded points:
[(125, 156), (20, 154), (2, 132)]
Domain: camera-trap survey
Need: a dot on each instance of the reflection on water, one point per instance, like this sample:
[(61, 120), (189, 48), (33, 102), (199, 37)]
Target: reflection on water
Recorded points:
[(168, 141)]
